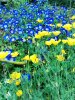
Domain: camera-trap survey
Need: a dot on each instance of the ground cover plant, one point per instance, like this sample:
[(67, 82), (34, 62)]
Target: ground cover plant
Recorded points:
[(37, 51)]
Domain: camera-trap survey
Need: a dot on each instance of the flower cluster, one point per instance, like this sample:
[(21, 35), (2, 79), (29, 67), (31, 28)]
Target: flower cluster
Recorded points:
[(32, 58), (52, 41), (29, 19), (42, 34)]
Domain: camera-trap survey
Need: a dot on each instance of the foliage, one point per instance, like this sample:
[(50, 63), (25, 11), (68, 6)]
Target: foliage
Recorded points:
[(37, 51)]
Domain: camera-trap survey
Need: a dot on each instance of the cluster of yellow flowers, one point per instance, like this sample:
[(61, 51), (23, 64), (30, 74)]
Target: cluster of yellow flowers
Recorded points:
[(69, 41), (42, 34), (14, 54), (14, 77), (46, 33), (32, 58), (4, 54), (61, 56), (19, 93), (67, 27), (56, 33), (52, 41)]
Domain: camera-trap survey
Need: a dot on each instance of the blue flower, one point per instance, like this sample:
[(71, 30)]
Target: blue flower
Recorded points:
[(20, 31), (49, 20), (22, 39), (39, 27), (48, 28), (26, 76), (29, 25), (9, 50), (5, 26), (64, 31), (12, 39), (56, 38), (6, 37), (64, 21), (10, 58), (16, 29), (12, 31), (30, 32), (61, 17)]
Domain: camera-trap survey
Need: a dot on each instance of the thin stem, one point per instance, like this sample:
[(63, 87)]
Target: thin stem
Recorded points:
[(13, 62)]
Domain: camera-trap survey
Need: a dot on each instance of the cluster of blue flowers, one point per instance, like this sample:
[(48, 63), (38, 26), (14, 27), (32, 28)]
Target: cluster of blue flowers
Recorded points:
[(18, 24)]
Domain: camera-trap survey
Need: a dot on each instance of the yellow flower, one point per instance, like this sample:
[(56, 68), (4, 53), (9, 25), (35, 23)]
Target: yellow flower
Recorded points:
[(56, 33), (64, 41), (56, 42), (71, 42), (52, 41), (63, 51), (60, 57), (59, 25), (37, 36), (19, 93), (67, 27), (39, 20), (14, 54), (73, 17), (26, 57), (34, 58), (48, 43), (73, 25), (18, 82), (3, 55), (45, 33), (42, 34), (15, 75)]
